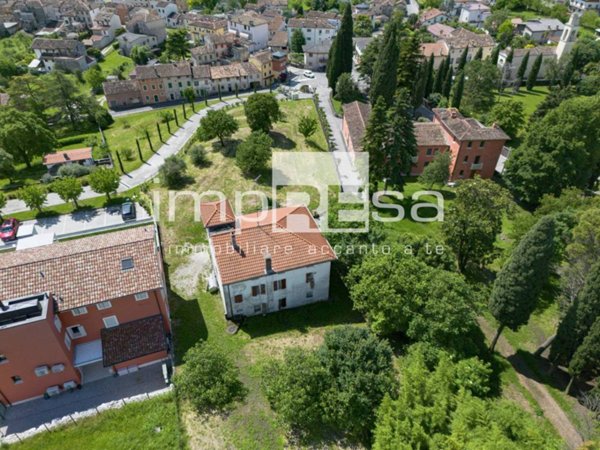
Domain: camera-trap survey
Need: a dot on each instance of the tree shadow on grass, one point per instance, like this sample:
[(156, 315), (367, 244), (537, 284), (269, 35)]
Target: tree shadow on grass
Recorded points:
[(281, 141), (228, 150), (336, 311), (312, 144)]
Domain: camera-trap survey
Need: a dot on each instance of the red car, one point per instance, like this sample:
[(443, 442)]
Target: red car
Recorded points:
[(8, 230)]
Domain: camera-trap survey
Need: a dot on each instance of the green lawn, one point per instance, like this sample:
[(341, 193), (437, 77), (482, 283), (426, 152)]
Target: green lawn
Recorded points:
[(151, 424), (530, 99), (115, 60)]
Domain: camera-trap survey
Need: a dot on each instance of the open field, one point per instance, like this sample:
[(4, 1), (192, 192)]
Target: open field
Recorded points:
[(530, 99)]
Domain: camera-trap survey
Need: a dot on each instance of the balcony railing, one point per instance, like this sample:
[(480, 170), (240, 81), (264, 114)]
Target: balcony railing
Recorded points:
[(477, 166)]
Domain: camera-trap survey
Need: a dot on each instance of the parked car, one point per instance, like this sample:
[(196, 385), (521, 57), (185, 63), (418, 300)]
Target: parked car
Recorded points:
[(128, 211), (9, 229), (309, 74)]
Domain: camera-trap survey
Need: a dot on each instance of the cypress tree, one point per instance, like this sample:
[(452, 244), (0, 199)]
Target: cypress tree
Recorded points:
[(510, 56), (340, 53), (494, 55), (420, 86), (463, 58), (403, 143), (448, 82), (383, 81), (375, 140), (457, 92), (533, 73), (479, 54), (408, 62), (430, 77), (438, 84), (578, 320), (522, 70), (521, 280), (586, 360)]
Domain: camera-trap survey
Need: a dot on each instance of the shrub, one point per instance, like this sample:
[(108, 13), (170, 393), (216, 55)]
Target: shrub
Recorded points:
[(73, 170), (126, 153), (198, 155), (209, 379), (46, 178), (173, 171), (253, 154), (166, 116)]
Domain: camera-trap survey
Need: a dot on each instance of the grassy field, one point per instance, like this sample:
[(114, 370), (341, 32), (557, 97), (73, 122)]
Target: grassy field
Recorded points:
[(115, 60), (530, 99), (151, 424)]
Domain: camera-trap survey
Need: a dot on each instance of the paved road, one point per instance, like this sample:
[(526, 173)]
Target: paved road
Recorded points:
[(349, 177)]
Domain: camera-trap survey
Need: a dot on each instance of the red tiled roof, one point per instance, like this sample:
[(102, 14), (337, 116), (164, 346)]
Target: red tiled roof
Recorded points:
[(356, 116), (216, 213), (131, 340), (84, 271), (288, 235), (80, 154)]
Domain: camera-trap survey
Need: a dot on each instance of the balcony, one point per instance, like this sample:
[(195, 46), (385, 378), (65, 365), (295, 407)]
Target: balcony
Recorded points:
[(476, 166)]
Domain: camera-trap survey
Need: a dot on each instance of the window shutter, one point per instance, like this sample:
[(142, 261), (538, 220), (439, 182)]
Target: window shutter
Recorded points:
[(283, 284)]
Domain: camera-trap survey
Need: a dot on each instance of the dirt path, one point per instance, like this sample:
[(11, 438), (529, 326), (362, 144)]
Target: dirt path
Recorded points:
[(552, 411)]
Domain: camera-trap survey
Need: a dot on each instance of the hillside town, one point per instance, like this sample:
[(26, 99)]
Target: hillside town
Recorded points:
[(300, 224)]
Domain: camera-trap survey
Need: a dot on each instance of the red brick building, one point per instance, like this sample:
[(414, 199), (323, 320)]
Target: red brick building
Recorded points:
[(475, 148), (76, 311)]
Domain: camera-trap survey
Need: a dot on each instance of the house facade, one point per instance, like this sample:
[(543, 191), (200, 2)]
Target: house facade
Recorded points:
[(316, 31), (253, 28), (80, 310), (267, 262), (127, 41), (64, 54), (455, 43), (316, 56), (474, 14)]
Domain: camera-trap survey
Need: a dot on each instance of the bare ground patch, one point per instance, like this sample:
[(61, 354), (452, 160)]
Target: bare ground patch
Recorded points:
[(274, 347), (188, 275), (204, 431)]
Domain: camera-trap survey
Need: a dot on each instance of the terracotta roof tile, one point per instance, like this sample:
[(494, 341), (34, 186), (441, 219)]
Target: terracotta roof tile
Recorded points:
[(80, 154), (289, 235), (84, 271), (466, 128), (216, 213), (132, 340), (428, 133), (356, 115)]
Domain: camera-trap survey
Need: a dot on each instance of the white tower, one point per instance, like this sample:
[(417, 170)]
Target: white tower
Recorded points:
[(569, 35)]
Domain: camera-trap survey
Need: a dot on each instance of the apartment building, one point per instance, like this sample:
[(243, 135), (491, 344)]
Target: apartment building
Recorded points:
[(316, 31), (76, 311), (455, 43), (267, 261), (64, 54), (251, 27)]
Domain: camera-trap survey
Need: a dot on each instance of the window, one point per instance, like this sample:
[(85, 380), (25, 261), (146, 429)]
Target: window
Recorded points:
[(76, 331), (170, 85), (309, 294), (3, 359), (282, 303), (429, 151), (477, 158), (68, 341), (310, 277), (238, 298), (263, 289), (110, 321), (145, 87), (257, 309), (466, 159), (79, 311), (469, 144), (17, 379), (141, 296), (153, 87), (57, 323), (127, 264), (103, 305), (41, 371), (461, 173), (482, 144), (255, 291), (279, 284)]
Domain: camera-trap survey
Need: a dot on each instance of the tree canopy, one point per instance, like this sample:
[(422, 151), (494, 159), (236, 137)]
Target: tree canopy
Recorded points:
[(262, 110), (254, 153), (342, 49), (217, 123)]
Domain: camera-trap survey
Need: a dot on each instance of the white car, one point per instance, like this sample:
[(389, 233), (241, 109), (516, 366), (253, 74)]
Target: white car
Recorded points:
[(309, 74)]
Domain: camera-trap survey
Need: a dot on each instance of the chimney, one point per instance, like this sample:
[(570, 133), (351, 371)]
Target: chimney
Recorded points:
[(234, 243), (268, 264), (453, 114)]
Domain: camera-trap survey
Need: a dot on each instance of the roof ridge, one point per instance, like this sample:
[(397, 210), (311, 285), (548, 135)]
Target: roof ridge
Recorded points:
[(151, 238)]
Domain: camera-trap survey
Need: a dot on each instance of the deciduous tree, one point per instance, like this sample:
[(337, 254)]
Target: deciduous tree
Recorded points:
[(508, 115), (437, 171), (178, 45), (254, 153), (68, 189), (104, 181), (481, 78), (262, 110), (34, 196), (217, 124)]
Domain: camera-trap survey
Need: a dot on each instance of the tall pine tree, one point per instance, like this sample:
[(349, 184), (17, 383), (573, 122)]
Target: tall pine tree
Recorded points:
[(521, 280), (403, 143), (479, 54), (522, 69), (430, 77), (375, 141), (458, 89), (409, 62), (586, 360), (578, 320), (533, 73), (463, 59), (438, 83), (420, 86), (494, 55), (383, 81), (448, 82), (341, 51)]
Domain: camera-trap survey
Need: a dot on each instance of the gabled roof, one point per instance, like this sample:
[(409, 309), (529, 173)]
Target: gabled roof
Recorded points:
[(304, 22), (461, 38), (80, 154), (430, 13), (428, 133), (84, 271), (120, 87), (467, 128), (289, 236), (216, 213), (54, 44), (356, 116)]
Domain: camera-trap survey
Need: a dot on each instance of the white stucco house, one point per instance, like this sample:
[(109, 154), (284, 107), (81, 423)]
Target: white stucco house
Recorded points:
[(316, 31), (253, 28), (267, 261)]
